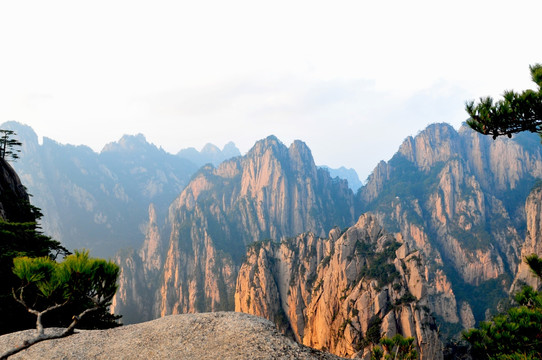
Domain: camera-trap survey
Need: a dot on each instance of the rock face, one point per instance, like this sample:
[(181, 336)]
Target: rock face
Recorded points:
[(98, 201), (342, 293), (458, 197), (189, 336), (533, 240), (271, 192), (13, 196)]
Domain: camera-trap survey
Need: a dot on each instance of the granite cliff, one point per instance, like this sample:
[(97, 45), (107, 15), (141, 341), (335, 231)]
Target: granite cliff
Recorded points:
[(533, 240), (13, 196), (454, 197), (341, 293), (459, 198), (452, 204), (272, 192)]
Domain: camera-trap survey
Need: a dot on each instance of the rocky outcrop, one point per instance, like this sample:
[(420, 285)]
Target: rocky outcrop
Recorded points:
[(271, 192), (14, 200), (190, 336), (342, 293), (458, 197), (533, 240)]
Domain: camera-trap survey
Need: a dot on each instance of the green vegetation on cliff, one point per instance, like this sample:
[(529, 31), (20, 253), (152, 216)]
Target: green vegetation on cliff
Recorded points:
[(515, 334)]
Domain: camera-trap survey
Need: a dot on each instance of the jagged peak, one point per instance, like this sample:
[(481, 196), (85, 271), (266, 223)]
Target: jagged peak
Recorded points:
[(439, 127), (437, 142), (301, 158), (270, 143), (128, 143), (368, 220), (300, 147)]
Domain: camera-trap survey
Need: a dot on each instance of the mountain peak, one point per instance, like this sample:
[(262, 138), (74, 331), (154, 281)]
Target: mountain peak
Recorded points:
[(434, 144), (301, 157), (210, 149), (128, 143), (270, 143)]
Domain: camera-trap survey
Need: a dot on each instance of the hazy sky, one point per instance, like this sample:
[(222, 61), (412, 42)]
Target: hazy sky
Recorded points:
[(350, 78)]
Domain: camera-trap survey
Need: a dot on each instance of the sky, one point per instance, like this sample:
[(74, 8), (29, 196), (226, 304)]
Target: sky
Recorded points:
[(352, 79)]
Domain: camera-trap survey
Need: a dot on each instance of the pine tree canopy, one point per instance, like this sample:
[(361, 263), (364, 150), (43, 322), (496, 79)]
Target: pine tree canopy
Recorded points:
[(516, 112), (515, 334)]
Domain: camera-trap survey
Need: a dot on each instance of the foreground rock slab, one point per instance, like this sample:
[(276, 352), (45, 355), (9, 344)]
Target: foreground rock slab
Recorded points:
[(220, 335)]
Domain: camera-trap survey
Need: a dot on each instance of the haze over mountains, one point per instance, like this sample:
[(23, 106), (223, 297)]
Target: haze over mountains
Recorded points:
[(272, 234), (100, 201)]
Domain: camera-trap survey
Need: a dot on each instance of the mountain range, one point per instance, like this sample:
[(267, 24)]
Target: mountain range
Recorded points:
[(428, 246), (100, 201)]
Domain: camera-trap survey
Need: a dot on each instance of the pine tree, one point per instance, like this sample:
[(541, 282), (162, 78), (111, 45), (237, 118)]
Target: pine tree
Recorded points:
[(397, 348), (9, 147), (47, 285), (516, 112), (516, 334)]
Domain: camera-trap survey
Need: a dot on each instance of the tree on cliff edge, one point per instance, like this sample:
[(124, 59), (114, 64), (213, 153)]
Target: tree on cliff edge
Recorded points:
[(9, 147), (516, 112), (517, 333)]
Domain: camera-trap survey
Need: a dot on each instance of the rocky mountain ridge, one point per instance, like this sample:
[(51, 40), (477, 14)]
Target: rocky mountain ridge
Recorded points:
[(98, 201), (459, 197), (271, 192), (343, 293), (444, 194), (454, 199)]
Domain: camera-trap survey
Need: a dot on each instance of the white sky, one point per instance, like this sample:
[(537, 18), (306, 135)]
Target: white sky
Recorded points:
[(350, 78)]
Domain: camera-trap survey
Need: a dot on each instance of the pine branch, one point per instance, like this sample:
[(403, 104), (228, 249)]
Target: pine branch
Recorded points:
[(41, 337)]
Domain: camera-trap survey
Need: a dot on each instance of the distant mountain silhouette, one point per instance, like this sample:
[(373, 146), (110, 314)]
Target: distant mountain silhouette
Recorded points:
[(209, 154), (349, 175), (98, 201)]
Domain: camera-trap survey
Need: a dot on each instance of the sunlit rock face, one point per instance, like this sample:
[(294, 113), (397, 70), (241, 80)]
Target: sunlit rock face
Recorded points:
[(452, 200), (343, 292), (533, 240), (459, 197), (194, 255)]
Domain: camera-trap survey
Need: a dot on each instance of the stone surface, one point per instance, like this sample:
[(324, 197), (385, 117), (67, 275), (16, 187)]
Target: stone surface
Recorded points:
[(328, 292), (210, 336), (13, 195), (533, 240)]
